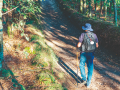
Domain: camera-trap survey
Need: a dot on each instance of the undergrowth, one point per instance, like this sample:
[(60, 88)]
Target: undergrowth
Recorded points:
[(43, 61), (43, 58), (46, 60)]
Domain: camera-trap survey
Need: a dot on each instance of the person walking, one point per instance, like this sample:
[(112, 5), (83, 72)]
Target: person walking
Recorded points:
[(88, 42)]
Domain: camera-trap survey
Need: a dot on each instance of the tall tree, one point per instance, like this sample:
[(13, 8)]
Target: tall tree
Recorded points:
[(101, 6), (84, 4), (110, 7), (115, 12), (81, 6), (105, 10), (1, 35), (95, 8), (90, 8)]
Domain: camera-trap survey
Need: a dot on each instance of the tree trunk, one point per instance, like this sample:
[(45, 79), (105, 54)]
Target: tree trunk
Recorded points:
[(115, 13), (101, 5), (110, 8), (84, 10), (1, 35), (81, 6), (105, 10), (89, 8), (95, 8), (92, 2)]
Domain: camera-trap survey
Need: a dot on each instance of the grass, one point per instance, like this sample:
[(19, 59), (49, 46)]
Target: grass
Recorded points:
[(46, 60), (41, 61)]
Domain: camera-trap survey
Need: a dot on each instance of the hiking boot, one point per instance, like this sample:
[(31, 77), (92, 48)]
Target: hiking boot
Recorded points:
[(83, 83), (88, 84)]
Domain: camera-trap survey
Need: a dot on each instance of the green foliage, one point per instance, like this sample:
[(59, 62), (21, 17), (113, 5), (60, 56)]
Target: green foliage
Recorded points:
[(16, 84), (26, 54), (45, 56), (4, 9), (4, 1), (45, 60), (31, 7), (26, 9), (9, 73), (34, 37), (5, 73), (47, 78), (22, 87), (33, 63), (18, 10), (28, 49), (106, 9)]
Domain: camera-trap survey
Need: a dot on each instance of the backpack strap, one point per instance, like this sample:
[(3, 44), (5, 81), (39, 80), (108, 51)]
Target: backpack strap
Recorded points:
[(88, 36)]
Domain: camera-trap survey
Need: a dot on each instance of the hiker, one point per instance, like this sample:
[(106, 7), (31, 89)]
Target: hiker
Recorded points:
[(88, 42)]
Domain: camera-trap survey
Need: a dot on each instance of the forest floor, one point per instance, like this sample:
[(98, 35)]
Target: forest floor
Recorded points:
[(17, 65), (62, 36)]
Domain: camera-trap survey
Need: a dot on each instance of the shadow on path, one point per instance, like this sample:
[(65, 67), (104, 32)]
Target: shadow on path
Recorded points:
[(63, 35), (69, 71)]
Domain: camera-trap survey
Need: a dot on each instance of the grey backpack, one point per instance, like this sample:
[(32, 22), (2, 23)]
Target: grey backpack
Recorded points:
[(88, 44)]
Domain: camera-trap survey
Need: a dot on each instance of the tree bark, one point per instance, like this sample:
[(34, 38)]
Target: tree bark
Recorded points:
[(115, 12), (89, 8), (1, 35), (81, 6), (95, 8), (110, 8), (84, 10), (105, 10), (101, 5)]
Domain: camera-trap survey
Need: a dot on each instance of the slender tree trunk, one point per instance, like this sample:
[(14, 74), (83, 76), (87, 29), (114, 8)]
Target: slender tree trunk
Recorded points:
[(101, 5), (92, 2), (110, 8), (81, 6), (115, 13), (95, 8), (89, 8), (84, 10), (1, 35), (105, 10)]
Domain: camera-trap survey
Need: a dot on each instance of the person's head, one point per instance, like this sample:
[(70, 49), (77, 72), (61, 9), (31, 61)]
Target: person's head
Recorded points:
[(87, 27)]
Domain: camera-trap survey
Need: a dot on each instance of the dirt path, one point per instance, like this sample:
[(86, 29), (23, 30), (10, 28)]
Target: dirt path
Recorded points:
[(62, 36)]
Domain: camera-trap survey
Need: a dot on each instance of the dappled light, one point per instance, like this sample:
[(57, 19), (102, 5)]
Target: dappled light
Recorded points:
[(39, 46), (62, 36)]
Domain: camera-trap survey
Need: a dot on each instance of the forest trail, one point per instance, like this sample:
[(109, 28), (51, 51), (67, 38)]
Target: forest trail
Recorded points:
[(61, 36)]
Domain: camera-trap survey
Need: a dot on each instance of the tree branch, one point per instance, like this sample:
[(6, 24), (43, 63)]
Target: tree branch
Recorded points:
[(10, 10)]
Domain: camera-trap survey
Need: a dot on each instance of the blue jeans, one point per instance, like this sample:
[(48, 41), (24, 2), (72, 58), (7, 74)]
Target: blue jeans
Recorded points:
[(86, 57)]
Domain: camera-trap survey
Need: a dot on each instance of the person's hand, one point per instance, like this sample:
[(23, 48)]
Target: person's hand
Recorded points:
[(79, 44)]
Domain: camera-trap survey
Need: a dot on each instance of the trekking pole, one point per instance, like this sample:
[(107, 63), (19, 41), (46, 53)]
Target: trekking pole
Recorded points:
[(77, 64)]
